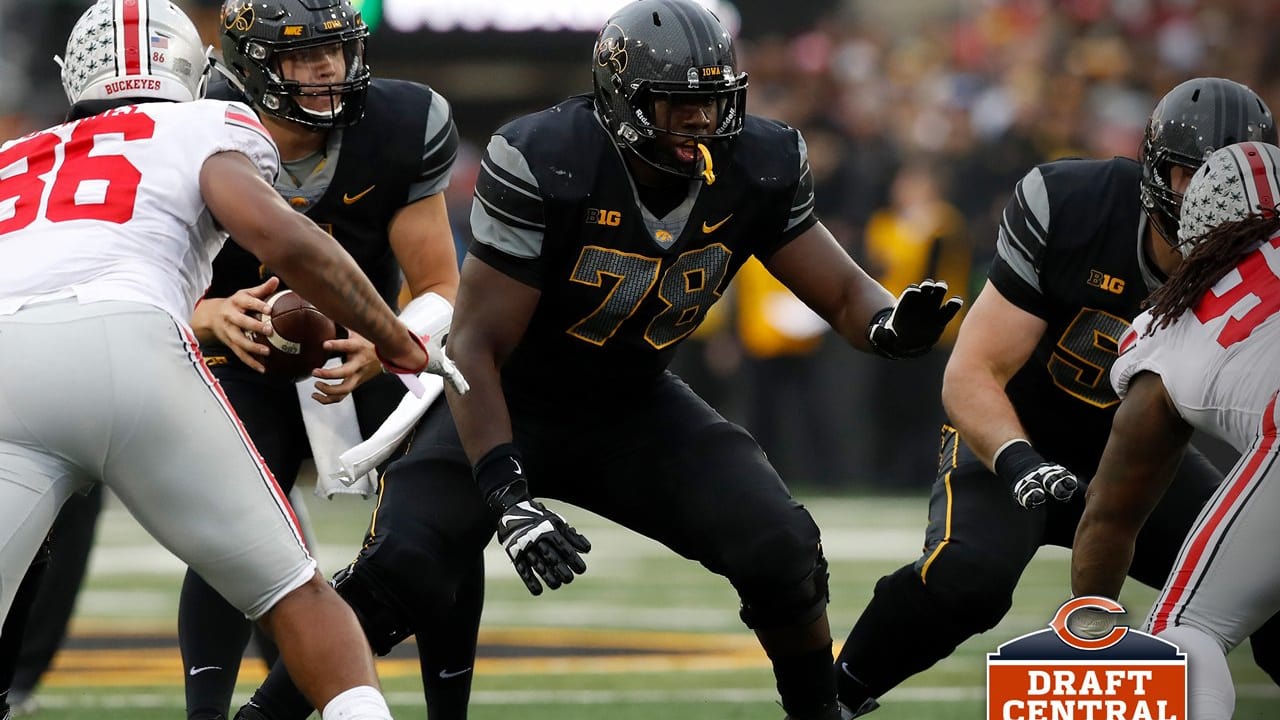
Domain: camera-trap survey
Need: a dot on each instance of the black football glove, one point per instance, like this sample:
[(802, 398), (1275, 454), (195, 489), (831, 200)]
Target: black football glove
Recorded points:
[(538, 541), (915, 322), (1031, 478)]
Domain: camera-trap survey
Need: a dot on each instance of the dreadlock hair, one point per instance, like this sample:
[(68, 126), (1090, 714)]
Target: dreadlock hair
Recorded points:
[(1214, 256)]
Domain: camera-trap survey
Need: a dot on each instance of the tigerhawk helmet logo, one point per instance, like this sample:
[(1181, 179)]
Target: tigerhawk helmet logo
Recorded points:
[(237, 16), (611, 50)]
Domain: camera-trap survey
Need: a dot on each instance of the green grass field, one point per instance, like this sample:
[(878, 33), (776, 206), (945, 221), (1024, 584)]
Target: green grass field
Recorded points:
[(642, 635)]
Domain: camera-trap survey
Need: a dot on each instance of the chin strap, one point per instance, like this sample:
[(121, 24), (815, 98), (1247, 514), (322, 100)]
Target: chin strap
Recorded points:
[(707, 173)]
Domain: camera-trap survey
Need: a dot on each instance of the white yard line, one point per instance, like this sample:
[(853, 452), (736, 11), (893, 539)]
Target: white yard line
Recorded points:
[(921, 695)]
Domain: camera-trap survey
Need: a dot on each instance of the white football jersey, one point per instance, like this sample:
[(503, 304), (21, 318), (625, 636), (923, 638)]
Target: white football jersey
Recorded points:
[(109, 207), (1218, 360)]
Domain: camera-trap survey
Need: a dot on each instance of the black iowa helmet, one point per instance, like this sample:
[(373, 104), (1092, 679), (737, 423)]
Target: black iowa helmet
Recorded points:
[(1189, 123), (256, 34), (673, 50)]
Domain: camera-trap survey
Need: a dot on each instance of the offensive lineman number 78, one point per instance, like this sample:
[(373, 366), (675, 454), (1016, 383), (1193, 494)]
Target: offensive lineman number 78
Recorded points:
[(24, 165)]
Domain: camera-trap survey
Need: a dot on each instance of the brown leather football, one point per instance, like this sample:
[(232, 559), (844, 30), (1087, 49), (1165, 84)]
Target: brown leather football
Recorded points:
[(297, 340)]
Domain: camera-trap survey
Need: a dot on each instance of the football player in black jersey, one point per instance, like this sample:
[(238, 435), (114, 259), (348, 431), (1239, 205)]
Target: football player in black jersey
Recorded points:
[(605, 228), (1081, 245), (367, 159)]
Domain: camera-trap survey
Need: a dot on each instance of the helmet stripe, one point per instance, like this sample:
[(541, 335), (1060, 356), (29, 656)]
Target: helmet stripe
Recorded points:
[(1259, 185), (1273, 182), (130, 22), (699, 43)]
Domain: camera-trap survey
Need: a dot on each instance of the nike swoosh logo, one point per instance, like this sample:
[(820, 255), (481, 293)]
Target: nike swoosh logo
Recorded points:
[(445, 674), (844, 668), (197, 670), (508, 519), (353, 199), (708, 229)]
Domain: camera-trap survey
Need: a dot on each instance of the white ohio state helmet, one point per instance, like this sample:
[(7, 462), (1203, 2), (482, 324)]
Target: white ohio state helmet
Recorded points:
[(1235, 182), (134, 49)]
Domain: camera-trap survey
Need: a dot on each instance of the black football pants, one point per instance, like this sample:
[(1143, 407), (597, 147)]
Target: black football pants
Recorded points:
[(977, 544)]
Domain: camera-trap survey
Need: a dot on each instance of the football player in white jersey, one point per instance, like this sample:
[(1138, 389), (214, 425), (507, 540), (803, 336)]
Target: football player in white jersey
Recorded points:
[(108, 224), (1202, 358)]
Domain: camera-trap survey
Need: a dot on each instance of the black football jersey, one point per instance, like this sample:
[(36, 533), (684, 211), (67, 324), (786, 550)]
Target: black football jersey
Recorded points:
[(1070, 251), (556, 208), (401, 151)]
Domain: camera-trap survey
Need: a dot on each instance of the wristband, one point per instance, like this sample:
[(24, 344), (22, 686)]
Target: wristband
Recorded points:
[(497, 474), (878, 320), (388, 365), (1014, 458)]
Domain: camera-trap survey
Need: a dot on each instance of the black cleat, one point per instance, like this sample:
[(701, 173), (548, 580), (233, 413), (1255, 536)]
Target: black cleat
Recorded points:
[(830, 712), (250, 712), (863, 709)]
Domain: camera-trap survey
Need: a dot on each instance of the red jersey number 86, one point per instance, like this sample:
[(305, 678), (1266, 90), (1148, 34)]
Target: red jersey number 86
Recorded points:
[(24, 165)]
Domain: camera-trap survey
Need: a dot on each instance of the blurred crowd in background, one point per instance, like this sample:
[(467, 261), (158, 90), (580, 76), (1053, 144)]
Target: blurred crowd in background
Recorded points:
[(920, 116)]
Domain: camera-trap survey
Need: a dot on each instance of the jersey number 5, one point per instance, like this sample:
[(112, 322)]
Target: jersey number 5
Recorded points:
[(1258, 282), (85, 186), (1084, 355), (687, 290)]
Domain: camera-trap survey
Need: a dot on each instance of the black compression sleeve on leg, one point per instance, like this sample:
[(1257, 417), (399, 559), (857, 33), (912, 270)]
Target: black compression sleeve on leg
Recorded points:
[(12, 631), (805, 683), (212, 636), (447, 655), (71, 540), (277, 699)]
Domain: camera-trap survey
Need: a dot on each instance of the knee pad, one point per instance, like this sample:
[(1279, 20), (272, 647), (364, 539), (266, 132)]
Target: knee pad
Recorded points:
[(791, 605), (381, 617), (391, 586), (975, 593)]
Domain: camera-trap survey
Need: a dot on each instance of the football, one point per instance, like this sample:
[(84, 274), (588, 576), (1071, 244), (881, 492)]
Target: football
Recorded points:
[(297, 340)]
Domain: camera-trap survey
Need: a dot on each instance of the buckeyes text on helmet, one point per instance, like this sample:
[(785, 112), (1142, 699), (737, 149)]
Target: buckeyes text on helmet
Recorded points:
[(1194, 119), (667, 51), (298, 60), (127, 49)]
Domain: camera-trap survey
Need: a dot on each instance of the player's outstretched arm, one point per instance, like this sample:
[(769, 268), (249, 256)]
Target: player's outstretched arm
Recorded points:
[(420, 237), (422, 240), (821, 273), (995, 339), (1148, 439), (308, 259), (491, 315), (818, 271)]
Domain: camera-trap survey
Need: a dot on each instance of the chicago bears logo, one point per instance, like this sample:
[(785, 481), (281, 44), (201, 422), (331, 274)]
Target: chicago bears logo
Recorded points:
[(611, 49), (1086, 664)]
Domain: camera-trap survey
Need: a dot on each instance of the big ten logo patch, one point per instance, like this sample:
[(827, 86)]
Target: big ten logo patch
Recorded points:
[(1085, 666), (612, 218), (1106, 282)]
